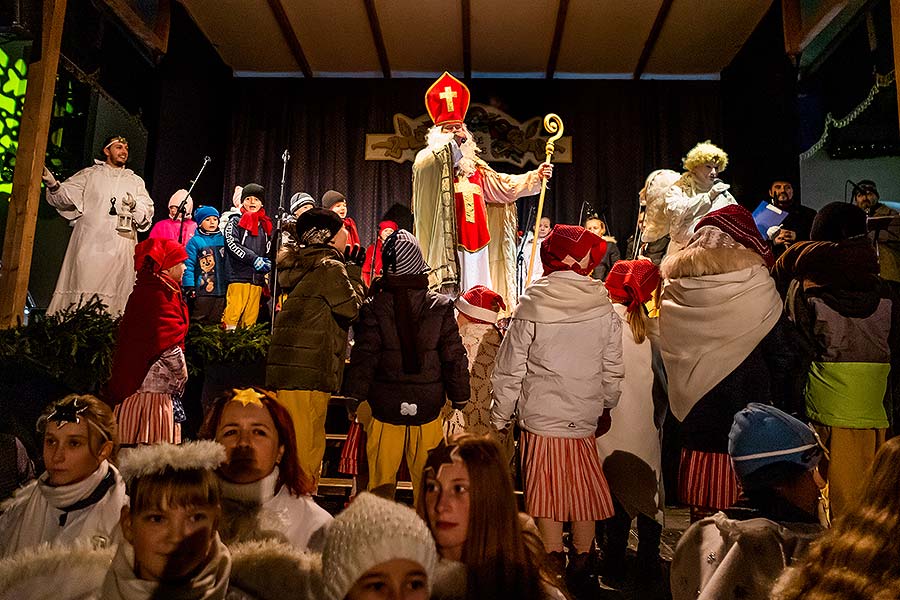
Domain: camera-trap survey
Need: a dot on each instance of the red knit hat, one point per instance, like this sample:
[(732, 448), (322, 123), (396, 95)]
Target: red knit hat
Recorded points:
[(162, 252), (737, 221), (632, 282), (478, 304), (571, 248), (387, 225)]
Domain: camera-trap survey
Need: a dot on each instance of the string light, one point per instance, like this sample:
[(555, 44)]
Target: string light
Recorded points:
[(881, 82)]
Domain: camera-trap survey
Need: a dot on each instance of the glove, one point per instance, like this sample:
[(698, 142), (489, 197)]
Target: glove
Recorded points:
[(128, 202), (717, 189), (354, 255), (604, 422), (190, 293), (49, 180), (262, 264)]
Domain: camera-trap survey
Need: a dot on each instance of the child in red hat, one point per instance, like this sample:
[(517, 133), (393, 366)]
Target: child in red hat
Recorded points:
[(149, 366), (560, 369)]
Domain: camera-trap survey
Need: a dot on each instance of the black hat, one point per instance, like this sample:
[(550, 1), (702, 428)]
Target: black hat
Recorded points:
[(331, 198), (865, 186), (317, 226), (253, 189)]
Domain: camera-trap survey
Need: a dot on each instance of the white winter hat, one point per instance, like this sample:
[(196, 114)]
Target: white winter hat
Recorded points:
[(178, 197), (236, 198), (372, 531)]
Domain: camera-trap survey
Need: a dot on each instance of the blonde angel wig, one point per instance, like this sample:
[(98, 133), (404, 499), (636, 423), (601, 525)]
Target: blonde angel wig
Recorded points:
[(705, 152)]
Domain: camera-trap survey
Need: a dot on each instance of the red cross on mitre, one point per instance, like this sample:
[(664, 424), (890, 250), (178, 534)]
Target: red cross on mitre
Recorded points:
[(447, 100)]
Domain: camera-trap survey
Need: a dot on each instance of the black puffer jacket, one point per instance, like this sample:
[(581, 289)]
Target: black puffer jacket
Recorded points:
[(309, 341), (242, 250), (407, 394)]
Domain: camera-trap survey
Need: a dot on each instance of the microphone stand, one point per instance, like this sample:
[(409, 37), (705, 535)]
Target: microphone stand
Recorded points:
[(279, 219), (637, 232), (520, 254), (181, 207)]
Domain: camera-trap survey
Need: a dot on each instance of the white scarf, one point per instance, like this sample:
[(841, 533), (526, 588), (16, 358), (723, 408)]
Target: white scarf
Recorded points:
[(563, 297), (708, 325), (211, 583), (257, 492), (42, 502)]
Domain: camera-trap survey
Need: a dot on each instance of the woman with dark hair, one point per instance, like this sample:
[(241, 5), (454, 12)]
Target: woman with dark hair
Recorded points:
[(80, 495), (265, 493), (468, 501), (859, 557)]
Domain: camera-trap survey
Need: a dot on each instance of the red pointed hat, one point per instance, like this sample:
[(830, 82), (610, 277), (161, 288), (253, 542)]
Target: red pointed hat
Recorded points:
[(571, 248), (479, 302), (447, 100)]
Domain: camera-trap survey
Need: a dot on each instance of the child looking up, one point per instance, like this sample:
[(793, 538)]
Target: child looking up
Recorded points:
[(204, 275)]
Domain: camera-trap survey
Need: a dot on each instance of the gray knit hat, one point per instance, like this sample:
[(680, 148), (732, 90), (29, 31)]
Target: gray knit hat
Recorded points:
[(402, 255), (372, 531), (299, 200), (332, 197)]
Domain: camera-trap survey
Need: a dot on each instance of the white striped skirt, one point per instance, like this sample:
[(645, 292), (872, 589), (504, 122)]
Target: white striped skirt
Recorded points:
[(564, 479)]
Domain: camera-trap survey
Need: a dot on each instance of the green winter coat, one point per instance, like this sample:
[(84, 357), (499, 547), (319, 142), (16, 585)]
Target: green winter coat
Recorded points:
[(309, 341)]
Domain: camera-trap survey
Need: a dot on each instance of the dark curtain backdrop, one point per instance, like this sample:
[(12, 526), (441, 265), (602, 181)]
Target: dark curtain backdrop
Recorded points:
[(621, 131)]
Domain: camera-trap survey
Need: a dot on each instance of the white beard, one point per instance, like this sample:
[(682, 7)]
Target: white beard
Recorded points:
[(468, 164)]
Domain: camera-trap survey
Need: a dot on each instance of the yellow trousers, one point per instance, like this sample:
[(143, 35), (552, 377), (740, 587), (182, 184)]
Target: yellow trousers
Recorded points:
[(241, 304), (386, 445), (851, 453), (308, 410)]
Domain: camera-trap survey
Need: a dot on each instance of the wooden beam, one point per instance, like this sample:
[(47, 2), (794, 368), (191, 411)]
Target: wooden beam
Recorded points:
[(652, 38), (375, 26), (287, 31), (561, 11), (467, 38), (895, 31), (793, 28), (26, 188)]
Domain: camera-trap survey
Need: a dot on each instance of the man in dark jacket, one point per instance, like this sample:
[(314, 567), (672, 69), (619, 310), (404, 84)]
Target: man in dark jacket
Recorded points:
[(796, 226), (309, 340), (407, 360)]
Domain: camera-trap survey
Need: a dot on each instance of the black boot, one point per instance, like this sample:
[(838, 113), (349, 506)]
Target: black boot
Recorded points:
[(581, 578), (556, 564)]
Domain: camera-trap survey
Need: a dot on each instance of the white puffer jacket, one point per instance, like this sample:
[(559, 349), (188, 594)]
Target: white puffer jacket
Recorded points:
[(560, 363)]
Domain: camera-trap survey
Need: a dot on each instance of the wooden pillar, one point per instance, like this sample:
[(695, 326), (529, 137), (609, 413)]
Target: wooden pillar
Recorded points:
[(895, 33), (26, 188), (791, 20)]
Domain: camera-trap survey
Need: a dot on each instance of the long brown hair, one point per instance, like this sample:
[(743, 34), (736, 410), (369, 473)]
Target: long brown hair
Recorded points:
[(290, 474), (499, 562), (859, 558)]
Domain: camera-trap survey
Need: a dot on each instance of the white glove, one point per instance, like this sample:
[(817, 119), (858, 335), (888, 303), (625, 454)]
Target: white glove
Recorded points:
[(48, 179), (128, 202), (718, 188)]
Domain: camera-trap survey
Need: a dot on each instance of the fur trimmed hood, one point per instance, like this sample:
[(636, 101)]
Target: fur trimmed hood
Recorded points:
[(698, 262), (271, 570), (49, 572)]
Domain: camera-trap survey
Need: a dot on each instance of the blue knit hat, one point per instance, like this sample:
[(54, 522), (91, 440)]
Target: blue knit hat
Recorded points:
[(766, 444), (203, 212)]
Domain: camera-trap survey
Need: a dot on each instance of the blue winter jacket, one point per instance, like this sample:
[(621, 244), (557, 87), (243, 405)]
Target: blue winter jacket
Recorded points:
[(206, 264)]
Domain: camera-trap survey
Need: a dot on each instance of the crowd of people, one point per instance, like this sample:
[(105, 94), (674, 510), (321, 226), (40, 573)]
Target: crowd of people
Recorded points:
[(775, 350)]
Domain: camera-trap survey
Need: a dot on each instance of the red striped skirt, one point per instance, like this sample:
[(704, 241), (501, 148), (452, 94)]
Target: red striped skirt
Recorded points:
[(147, 418), (707, 480), (349, 463), (564, 479)]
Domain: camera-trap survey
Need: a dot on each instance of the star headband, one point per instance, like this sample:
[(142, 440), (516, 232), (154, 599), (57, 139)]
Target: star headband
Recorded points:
[(443, 454), (68, 411), (247, 396)]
